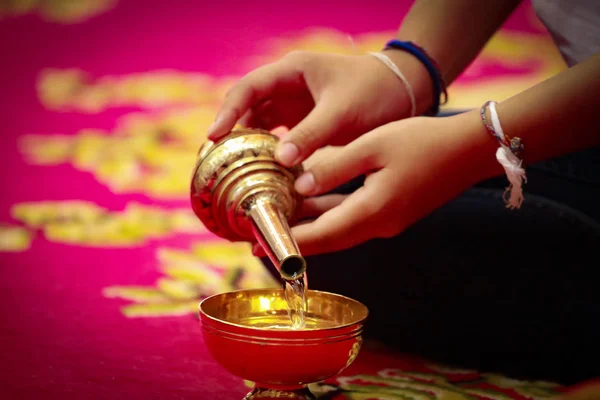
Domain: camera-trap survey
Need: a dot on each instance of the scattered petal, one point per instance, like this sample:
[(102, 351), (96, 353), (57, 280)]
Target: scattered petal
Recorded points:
[(14, 238)]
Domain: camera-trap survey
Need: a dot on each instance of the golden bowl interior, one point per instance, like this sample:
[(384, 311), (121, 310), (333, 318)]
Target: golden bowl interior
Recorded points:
[(267, 309)]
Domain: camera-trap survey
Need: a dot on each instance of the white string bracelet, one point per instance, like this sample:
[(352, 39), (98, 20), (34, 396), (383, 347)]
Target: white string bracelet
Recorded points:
[(390, 64), (508, 155), (351, 40)]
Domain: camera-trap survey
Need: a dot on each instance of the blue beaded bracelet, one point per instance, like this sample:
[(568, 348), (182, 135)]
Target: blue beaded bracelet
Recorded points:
[(439, 86)]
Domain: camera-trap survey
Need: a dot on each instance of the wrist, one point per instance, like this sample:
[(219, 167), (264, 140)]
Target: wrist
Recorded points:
[(417, 75), (474, 147)]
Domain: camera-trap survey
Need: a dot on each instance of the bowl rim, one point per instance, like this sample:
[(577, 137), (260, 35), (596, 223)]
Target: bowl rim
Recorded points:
[(221, 321)]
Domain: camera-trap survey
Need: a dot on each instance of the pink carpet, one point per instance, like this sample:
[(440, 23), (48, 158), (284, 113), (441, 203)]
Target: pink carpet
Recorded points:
[(102, 264)]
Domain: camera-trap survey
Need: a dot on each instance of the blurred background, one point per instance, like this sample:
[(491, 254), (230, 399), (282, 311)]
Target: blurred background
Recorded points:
[(102, 263)]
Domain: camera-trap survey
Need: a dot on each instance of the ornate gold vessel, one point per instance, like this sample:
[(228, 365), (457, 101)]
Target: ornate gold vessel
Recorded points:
[(241, 193), (243, 332)]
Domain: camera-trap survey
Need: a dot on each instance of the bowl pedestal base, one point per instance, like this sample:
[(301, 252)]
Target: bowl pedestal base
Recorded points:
[(272, 392)]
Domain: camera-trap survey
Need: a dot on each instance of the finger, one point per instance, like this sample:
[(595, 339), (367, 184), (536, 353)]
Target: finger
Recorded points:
[(254, 88), (355, 159), (319, 155), (248, 119), (259, 116), (315, 206), (257, 250), (311, 133), (285, 111), (280, 111), (349, 224), (272, 114)]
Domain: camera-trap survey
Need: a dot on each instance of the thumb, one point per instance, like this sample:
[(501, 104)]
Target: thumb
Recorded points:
[(312, 133)]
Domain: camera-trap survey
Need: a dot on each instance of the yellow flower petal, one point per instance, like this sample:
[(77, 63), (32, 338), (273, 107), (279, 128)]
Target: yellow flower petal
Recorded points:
[(14, 238), (161, 309), (74, 11), (226, 254), (178, 289), (186, 221), (46, 150), (207, 280), (38, 214), (81, 222), (138, 294), (57, 88), (17, 7)]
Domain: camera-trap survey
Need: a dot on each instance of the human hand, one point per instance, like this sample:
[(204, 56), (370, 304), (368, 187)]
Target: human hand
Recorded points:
[(413, 166), (324, 99)]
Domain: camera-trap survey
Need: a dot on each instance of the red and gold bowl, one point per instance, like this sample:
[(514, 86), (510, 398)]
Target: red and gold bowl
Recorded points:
[(249, 333)]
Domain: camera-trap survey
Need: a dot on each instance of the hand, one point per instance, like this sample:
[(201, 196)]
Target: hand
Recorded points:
[(413, 166), (324, 99)]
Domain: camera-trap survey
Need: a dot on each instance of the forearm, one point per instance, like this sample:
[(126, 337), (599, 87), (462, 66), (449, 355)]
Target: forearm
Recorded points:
[(454, 32), (555, 117)]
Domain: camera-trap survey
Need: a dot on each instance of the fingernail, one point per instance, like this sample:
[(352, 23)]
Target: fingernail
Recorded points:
[(215, 125), (287, 153), (305, 184)]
